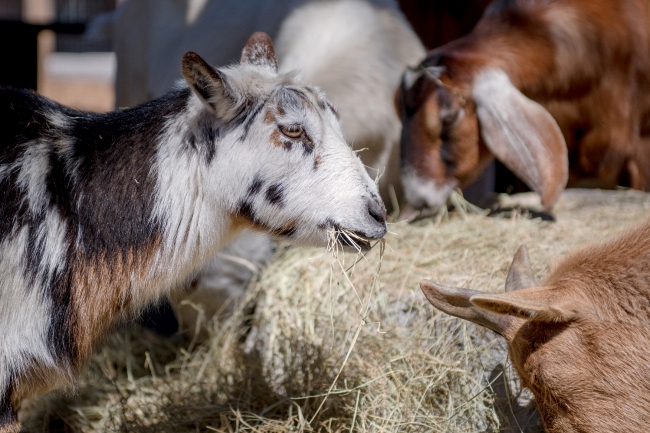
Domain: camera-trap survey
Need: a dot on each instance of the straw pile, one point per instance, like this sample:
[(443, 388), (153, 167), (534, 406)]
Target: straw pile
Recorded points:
[(323, 343)]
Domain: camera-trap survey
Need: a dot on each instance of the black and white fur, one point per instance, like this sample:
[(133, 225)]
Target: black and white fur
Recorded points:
[(102, 213)]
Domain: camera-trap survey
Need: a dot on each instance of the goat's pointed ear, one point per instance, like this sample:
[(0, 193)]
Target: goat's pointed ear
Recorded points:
[(211, 86), (259, 51), (522, 135), (520, 275), (456, 301), (531, 304)]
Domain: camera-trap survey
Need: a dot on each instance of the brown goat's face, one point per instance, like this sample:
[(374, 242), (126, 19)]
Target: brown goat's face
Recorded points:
[(453, 127), (440, 143)]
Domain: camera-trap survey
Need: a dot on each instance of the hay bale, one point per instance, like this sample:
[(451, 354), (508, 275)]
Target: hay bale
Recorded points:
[(314, 348)]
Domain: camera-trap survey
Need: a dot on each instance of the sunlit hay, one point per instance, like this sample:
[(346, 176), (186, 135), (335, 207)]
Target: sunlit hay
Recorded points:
[(338, 342)]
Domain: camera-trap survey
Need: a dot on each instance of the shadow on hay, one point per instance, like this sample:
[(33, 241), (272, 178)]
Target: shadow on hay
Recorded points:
[(247, 399), (125, 353), (513, 417), (244, 399), (129, 387)]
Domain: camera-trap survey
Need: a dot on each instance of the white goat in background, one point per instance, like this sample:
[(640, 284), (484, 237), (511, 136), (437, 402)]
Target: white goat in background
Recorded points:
[(356, 52)]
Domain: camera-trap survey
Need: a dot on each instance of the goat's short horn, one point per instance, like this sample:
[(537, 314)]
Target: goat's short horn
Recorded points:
[(520, 275), (259, 51)]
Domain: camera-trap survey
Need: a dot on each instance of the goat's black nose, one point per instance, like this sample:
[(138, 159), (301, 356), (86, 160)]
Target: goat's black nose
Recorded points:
[(377, 210)]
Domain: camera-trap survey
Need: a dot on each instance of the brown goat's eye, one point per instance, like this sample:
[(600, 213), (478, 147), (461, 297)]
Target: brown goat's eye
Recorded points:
[(292, 131)]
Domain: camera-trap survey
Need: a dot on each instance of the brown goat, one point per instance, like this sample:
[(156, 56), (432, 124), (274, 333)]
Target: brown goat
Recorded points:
[(556, 90), (581, 340)]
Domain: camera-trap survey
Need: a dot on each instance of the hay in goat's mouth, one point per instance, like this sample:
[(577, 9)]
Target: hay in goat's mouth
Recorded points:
[(338, 238), (327, 342)]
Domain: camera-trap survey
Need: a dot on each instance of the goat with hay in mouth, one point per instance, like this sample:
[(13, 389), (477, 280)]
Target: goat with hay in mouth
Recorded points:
[(102, 213)]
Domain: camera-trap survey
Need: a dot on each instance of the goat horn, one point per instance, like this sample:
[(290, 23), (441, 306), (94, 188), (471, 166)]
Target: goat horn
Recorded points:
[(520, 275)]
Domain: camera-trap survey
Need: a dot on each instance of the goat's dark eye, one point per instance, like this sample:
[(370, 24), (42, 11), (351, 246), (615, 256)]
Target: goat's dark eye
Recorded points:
[(292, 131), (532, 344)]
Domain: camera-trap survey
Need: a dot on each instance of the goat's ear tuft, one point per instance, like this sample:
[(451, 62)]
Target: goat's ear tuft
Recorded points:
[(508, 304), (211, 86), (259, 51), (522, 135)]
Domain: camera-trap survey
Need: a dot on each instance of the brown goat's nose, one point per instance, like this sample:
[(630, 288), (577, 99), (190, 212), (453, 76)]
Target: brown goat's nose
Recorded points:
[(377, 210)]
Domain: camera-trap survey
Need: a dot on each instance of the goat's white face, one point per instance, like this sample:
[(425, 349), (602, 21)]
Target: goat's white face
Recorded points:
[(289, 170)]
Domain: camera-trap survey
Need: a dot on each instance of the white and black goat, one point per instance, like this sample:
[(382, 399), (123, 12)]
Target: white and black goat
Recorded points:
[(102, 213)]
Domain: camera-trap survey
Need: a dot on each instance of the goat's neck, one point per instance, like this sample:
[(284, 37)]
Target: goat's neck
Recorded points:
[(535, 63), (195, 223), (529, 69), (152, 192)]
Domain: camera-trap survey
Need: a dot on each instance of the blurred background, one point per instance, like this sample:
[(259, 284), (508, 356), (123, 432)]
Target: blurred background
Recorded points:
[(49, 53), (42, 40)]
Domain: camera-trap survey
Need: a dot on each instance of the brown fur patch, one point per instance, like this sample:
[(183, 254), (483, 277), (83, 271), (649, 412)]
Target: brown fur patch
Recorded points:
[(287, 230), (318, 160), (269, 117), (241, 222), (102, 293), (278, 140)]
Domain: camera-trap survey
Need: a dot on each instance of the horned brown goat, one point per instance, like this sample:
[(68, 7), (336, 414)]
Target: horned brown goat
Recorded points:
[(556, 90), (580, 340)]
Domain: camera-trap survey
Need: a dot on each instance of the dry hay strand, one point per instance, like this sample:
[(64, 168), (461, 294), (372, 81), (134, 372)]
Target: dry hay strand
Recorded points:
[(342, 342)]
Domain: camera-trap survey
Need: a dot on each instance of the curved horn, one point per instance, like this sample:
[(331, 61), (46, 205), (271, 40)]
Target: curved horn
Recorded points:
[(520, 275), (456, 302)]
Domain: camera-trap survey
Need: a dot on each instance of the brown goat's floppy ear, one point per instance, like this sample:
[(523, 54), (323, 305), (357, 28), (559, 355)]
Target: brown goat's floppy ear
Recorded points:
[(522, 135), (456, 301), (211, 86), (534, 305), (520, 275), (259, 51)]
